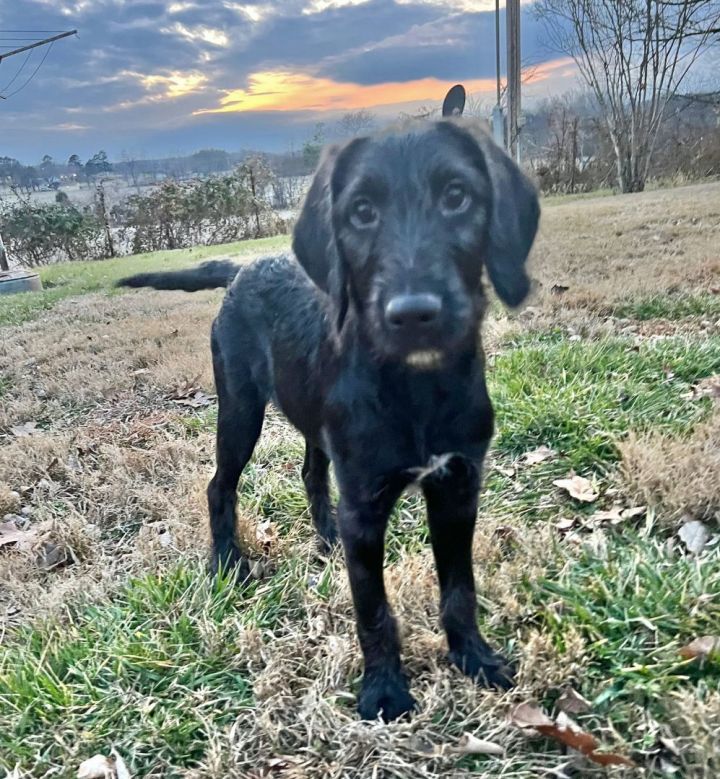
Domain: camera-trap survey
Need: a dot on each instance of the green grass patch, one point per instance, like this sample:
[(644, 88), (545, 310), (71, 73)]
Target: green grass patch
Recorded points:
[(580, 397), (78, 278), (673, 307), (636, 604), (146, 672)]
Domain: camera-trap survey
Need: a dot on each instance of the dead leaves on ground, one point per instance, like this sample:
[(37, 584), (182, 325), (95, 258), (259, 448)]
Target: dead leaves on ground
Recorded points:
[(470, 744), (25, 430), (50, 554), (189, 393), (531, 718), (538, 455), (571, 702), (613, 516), (101, 767), (579, 488), (702, 648), (12, 535), (695, 535), (705, 388)]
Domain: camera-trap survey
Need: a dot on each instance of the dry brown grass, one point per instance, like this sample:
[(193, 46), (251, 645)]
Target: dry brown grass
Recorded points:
[(678, 477), (613, 248)]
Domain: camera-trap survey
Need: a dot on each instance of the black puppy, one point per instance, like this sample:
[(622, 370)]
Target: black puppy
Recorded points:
[(372, 351)]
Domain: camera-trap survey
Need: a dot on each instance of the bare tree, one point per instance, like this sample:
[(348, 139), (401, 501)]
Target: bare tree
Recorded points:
[(634, 55), (356, 123)]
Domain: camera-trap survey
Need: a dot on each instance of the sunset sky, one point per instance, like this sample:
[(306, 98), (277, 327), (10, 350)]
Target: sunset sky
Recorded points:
[(161, 78)]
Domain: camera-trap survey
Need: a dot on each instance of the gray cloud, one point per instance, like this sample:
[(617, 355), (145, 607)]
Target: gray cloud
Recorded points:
[(139, 69)]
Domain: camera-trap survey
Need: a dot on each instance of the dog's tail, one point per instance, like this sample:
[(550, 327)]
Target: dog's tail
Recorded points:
[(209, 275)]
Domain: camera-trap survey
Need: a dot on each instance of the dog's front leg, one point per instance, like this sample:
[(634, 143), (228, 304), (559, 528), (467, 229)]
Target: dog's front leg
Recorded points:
[(452, 498), (384, 687)]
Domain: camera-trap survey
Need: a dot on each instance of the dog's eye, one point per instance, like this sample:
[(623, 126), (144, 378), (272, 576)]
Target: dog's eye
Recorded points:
[(363, 213), (454, 199)]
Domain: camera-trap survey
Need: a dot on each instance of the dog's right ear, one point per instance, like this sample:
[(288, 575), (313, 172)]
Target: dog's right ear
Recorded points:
[(313, 238)]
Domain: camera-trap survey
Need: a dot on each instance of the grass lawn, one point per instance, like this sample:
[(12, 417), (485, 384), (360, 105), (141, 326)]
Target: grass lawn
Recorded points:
[(70, 279), (112, 637)]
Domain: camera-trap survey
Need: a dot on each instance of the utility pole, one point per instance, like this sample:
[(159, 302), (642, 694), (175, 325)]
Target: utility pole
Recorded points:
[(512, 19), (34, 45), (498, 120)]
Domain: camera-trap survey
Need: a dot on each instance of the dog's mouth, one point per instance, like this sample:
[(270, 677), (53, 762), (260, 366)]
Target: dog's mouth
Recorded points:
[(425, 359)]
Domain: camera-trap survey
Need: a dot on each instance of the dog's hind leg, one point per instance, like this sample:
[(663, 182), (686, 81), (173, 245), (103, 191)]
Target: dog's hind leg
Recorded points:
[(315, 476), (240, 420)]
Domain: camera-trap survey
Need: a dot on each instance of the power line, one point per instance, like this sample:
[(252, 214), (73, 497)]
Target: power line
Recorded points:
[(32, 75), (19, 71), (54, 38)]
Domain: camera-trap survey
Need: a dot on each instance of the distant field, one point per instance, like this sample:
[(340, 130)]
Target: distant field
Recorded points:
[(112, 637)]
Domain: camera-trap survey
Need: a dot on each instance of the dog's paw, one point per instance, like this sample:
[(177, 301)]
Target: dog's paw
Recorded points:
[(230, 561), (386, 694), (327, 539), (486, 667), (327, 532)]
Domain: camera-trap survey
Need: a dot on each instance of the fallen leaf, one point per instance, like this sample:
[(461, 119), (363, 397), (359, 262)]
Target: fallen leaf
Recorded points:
[(572, 702), (565, 731), (701, 648), (54, 555), (695, 535), (509, 471), (527, 715), (635, 511), (121, 770), (564, 524), (669, 745), (198, 400), (505, 533), (96, 767), (186, 389), (24, 430), (570, 733), (471, 745), (614, 515), (579, 488), (706, 388), (538, 455), (266, 533), (10, 533)]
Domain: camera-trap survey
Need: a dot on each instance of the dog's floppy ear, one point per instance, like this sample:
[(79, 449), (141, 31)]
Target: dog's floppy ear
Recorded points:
[(514, 219), (313, 239), (314, 243)]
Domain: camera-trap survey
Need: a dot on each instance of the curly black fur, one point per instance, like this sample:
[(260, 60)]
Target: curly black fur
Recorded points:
[(392, 221)]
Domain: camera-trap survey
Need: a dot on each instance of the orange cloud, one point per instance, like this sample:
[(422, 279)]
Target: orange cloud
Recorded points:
[(287, 91)]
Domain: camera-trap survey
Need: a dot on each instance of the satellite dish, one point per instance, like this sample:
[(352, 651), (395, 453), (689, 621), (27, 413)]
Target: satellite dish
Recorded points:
[(454, 102)]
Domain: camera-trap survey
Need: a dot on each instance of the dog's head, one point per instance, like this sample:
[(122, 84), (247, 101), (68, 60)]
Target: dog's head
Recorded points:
[(400, 225)]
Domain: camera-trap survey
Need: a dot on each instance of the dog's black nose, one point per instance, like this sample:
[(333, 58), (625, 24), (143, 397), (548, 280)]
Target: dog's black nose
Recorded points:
[(406, 312)]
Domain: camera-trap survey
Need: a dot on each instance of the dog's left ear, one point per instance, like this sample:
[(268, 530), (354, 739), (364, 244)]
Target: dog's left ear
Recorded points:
[(514, 219), (514, 223)]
